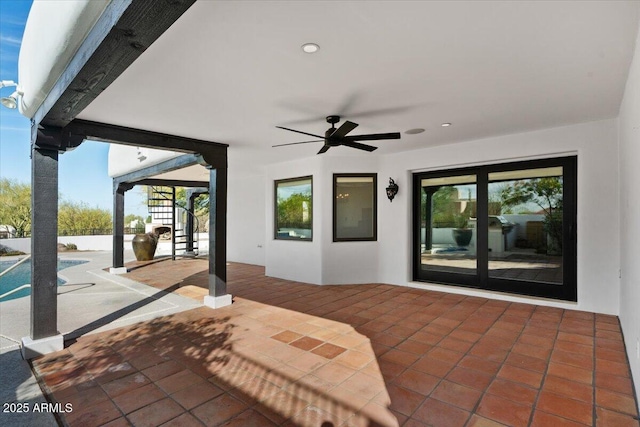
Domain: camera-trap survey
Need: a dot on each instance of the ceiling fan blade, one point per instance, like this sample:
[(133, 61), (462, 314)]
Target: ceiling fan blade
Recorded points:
[(348, 103), (359, 146), (380, 112), (324, 149), (343, 130), (294, 143), (373, 136), (297, 131)]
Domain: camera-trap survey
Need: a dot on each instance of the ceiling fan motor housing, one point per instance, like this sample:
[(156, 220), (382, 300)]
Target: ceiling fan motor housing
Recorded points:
[(333, 119), (336, 137), (332, 142)]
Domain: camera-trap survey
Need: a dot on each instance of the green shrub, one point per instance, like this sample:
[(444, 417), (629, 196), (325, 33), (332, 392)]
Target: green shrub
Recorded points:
[(12, 253), (7, 251)]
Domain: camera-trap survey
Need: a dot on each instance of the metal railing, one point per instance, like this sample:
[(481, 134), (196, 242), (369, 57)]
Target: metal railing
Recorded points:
[(13, 291), (15, 265), (159, 194)]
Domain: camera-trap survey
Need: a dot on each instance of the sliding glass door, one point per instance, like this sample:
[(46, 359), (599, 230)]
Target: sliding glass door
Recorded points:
[(507, 227), (448, 241)]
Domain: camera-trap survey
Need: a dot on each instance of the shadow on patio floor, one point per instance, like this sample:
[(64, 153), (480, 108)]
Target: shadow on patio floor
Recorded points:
[(297, 354)]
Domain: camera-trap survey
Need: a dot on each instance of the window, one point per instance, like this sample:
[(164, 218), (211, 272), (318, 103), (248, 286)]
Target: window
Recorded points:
[(509, 227), (354, 207), (294, 207), (448, 214)]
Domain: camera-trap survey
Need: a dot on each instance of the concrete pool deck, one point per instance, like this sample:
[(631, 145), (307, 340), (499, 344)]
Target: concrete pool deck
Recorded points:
[(92, 300)]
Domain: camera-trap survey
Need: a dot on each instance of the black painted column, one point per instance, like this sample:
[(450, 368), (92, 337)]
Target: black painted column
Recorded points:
[(173, 223), (428, 216), (118, 223), (189, 226), (44, 242), (217, 232)]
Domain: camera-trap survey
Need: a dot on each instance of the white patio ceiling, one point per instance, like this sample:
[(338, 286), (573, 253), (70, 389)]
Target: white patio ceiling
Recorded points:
[(231, 71)]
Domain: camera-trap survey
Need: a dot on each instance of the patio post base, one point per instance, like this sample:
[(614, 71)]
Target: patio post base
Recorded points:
[(217, 302), (33, 348), (118, 270)]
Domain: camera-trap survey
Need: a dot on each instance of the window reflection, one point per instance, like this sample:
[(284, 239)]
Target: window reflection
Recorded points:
[(294, 209)]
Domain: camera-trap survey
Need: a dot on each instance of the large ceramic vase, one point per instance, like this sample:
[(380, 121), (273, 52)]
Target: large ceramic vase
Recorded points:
[(144, 246), (462, 236)]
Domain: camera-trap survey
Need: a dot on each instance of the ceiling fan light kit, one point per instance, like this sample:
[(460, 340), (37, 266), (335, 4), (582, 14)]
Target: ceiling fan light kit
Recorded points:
[(336, 137)]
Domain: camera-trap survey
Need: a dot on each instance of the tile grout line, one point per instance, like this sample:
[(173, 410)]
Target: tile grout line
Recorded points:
[(449, 371), (393, 291), (546, 371), (594, 410), (633, 388), (337, 312), (485, 392), (47, 393)]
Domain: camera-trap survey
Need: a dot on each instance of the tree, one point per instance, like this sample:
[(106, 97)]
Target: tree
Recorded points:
[(544, 192), (73, 218), (495, 206), (80, 219), (200, 206), (292, 209), (443, 206), (15, 206), (137, 219)]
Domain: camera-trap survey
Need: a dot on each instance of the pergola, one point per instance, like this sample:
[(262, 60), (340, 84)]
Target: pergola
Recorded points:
[(121, 35)]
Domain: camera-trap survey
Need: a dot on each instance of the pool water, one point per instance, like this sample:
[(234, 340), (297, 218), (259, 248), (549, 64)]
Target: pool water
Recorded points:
[(21, 275)]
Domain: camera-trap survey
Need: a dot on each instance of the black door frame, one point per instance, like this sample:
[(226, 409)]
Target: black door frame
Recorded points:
[(567, 291)]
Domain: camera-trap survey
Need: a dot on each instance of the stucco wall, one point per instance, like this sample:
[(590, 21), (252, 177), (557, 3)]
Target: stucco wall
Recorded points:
[(347, 262), (389, 259), (289, 259), (102, 243), (83, 243), (246, 220), (321, 261), (595, 144), (629, 128)]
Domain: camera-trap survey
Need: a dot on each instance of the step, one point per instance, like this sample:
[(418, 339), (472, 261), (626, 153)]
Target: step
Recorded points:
[(184, 244), (184, 248), (188, 255)]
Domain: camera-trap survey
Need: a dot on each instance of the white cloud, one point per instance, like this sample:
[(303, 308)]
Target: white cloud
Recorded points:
[(13, 128), (14, 41), (13, 19)]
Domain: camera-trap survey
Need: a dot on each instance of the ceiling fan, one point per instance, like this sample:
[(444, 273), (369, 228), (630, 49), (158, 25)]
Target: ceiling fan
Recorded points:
[(335, 137)]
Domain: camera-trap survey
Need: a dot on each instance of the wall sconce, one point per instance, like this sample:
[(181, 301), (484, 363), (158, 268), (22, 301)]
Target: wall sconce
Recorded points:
[(392, 189)]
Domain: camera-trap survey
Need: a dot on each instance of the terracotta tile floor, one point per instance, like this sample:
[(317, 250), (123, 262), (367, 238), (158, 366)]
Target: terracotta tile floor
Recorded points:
[(288, 353)]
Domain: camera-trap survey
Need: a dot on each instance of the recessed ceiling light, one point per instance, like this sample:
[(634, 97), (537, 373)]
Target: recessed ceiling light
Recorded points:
[(310, 48), (445, 125), (414, 131)]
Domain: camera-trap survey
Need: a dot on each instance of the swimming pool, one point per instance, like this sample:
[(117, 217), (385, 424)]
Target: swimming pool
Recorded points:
[(21, 275)]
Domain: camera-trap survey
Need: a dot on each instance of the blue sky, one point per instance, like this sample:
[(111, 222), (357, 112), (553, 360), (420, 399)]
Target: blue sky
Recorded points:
[(83, 173)]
